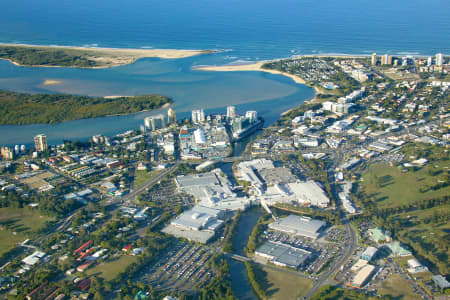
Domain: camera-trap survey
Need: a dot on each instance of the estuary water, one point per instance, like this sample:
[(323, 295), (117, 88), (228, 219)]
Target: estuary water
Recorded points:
[(268, 94), (248, 30)]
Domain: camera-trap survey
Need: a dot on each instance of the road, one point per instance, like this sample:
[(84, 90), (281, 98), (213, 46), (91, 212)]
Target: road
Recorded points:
[(325, 278), (152, 181)]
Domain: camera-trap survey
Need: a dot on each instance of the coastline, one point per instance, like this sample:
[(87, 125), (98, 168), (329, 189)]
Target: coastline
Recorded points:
[(257, 67), (249, 67), (106, 57)]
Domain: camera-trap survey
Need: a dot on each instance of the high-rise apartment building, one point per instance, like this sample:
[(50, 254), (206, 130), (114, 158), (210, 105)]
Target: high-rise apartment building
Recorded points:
[(374, 59), (155, 122), (7, 153), (231, 112), (386, 60), (439, 59), (251, 115), (198, 116), (40, 142), (171, 116)]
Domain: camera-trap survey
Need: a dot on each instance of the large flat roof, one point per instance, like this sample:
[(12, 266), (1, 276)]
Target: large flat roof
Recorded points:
[(191, 235), (277, 175), (310, 192), (283, 254), (363, 274), (298, 225), (198, 218), (196, 180)]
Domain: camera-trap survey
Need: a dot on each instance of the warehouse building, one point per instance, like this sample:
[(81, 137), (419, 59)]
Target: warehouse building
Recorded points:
[(283, 255), (362, 276), (298, 225), (306, 193)]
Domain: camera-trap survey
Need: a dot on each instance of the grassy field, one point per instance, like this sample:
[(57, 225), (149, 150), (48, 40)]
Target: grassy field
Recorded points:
[(397, 287), (141, 176), (428, 238), (110, 269), (17, 225), (279, 285), (390, 187)]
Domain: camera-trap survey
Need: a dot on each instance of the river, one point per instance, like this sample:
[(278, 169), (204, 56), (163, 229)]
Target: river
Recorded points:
[(239, 280)]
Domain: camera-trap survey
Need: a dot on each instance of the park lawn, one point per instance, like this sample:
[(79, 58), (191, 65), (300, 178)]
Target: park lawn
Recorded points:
[(17, 225), (279, 285), (431, 232), (429, 238), (396, 287), (390, 187), (141, 176), (109, 270)]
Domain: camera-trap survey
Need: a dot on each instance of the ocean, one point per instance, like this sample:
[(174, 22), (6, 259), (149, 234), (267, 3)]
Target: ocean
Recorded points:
[(253, 30), (246, 31)]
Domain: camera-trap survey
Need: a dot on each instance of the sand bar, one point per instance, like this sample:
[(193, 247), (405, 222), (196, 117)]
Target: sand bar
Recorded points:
[(52, 82), (250, 67), (110, 57)]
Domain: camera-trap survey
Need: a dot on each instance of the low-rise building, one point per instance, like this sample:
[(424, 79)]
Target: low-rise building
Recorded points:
[(362, 276), (414, 266), (283, 255), (198, 224), (298, 225), (369, 253)]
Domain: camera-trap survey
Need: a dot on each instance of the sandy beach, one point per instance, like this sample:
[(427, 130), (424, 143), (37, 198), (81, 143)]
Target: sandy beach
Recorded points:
[(110, 57), (51, 82), (249, 67)]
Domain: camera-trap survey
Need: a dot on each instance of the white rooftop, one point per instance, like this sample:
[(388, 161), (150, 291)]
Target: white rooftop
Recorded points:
[(298, 225)]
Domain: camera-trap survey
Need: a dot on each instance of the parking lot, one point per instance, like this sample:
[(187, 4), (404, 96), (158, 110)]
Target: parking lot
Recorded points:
[(181, 269), (390, 158), (165, 193)]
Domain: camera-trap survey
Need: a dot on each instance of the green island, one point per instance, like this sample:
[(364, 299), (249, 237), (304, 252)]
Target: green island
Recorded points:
[(20, 108), (45, 57)]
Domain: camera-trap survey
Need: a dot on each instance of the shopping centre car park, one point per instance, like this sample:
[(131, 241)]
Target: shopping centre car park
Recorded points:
[(181, 268)]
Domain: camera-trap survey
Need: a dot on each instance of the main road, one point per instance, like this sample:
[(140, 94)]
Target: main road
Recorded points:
[(326, 278)]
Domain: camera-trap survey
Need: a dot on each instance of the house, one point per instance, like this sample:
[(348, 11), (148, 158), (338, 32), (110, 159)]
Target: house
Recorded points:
[(126, 248), (84, 267)]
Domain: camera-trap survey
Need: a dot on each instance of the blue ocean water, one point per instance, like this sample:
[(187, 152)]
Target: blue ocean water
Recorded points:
[(253, 29), (248, 30)]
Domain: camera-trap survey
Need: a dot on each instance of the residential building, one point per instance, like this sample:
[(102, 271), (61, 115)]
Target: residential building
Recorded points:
[(198, 116), (374, 59), (171, 116), (7, 153), (386, 60), (40, 142), (155, 122), (231, 112), (439, 59), (251, 115)]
